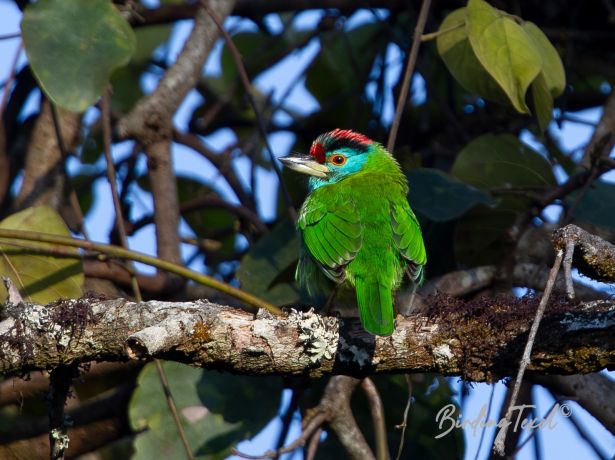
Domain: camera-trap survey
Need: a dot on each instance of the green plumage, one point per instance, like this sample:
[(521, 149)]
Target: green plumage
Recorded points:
[(358, 228)]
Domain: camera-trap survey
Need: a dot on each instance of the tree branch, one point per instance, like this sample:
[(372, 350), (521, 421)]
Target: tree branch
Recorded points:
[(481, 341)]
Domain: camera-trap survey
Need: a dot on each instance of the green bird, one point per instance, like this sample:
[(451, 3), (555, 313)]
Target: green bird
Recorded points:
[(356, 224)]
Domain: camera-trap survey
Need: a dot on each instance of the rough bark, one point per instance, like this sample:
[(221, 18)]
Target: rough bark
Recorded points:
[(44, 179), (480, 341)]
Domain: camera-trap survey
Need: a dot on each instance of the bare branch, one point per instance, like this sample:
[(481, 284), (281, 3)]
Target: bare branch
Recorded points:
[(336, 403), (414, 52), (597, 256), (593, 392), (500, 439), (377, 411)]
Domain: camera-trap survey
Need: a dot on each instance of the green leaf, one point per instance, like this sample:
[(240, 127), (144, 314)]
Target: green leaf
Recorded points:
[(344, 62), (148, 411), (495, 162), (440, 197), (482, 236), (504, 49), (73, 47), (597, 205), (260, 51), (455, 50), (498, 161), (249, 402), (40, 278), (543, 101), (274, 253), (552, 67)]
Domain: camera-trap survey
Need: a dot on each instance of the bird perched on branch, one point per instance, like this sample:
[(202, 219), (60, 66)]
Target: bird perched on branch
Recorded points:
[(356, 223)]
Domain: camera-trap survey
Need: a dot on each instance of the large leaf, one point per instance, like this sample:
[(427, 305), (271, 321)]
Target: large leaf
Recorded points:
[(267, 271), (552, 67), (456, 52), (504, 49), (148, 411), (498, 161), (597, 205), (543, 101), (73, 47), (338, 75), (482, 236), (495, 162), (40, 278), (441, 197), (260, 51), (249, 402)]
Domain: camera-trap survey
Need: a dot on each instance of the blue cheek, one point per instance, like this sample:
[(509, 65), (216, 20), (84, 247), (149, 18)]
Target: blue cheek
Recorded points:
[(353, 164)]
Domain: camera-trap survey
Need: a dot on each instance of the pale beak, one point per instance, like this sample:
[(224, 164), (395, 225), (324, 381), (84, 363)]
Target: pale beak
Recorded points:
[(306, 165)]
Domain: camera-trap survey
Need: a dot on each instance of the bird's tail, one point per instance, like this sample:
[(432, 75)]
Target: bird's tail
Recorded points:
[(375, 306)]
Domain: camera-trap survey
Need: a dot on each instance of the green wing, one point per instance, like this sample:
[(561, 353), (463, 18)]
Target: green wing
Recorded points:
[(408, 237), (332, 236)]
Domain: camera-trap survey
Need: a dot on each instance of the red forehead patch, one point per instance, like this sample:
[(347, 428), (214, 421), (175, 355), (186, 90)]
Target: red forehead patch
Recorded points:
[(350, 135), (317, 151)]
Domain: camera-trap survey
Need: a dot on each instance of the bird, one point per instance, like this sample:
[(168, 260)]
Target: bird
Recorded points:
[(356, 224)]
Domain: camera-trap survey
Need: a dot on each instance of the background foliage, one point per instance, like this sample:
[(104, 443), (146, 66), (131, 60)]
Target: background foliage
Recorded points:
[(489, 81)]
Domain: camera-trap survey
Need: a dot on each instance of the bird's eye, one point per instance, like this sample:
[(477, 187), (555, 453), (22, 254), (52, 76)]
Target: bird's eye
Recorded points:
[(338, 160)]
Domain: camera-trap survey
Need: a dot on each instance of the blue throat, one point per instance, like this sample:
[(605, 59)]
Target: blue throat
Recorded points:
[(354, 163)]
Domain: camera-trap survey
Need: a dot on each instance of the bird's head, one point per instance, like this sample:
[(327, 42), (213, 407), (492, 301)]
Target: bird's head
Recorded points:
[(334, 156)]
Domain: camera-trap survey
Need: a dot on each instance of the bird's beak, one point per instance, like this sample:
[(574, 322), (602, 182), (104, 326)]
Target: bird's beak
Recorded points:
[(306, 165)]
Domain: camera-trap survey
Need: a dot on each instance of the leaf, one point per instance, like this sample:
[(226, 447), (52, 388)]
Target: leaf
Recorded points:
[(482, 236), (249, 402), (455, 50), (441, 197), (344, 62), (543, 101), (148, 411), (488, 162), (552, 67), (73, 47), (40, 278), (597, 205), (272, 254), (260, 51), (496, 161), (504, 50)]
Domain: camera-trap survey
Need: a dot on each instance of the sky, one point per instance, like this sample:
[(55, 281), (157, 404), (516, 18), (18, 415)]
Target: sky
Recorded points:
[(558, 443)]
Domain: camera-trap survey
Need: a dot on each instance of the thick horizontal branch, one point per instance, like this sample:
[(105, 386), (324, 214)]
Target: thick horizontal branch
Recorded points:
[(480, 341)]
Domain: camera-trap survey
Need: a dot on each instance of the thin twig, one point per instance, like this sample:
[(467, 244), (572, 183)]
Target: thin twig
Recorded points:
[(10, 36), (377, 411), (72, 197), (116, 251), (498, 445), (60, 379), (404, 423), (287, 419), (568, 269), (482, 434), (310, 452), (403, 94), (119, 222), (173, 409), (7, 84), (119, 219), (314, 425), (534, 430), (582, 431), (249, 93)]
